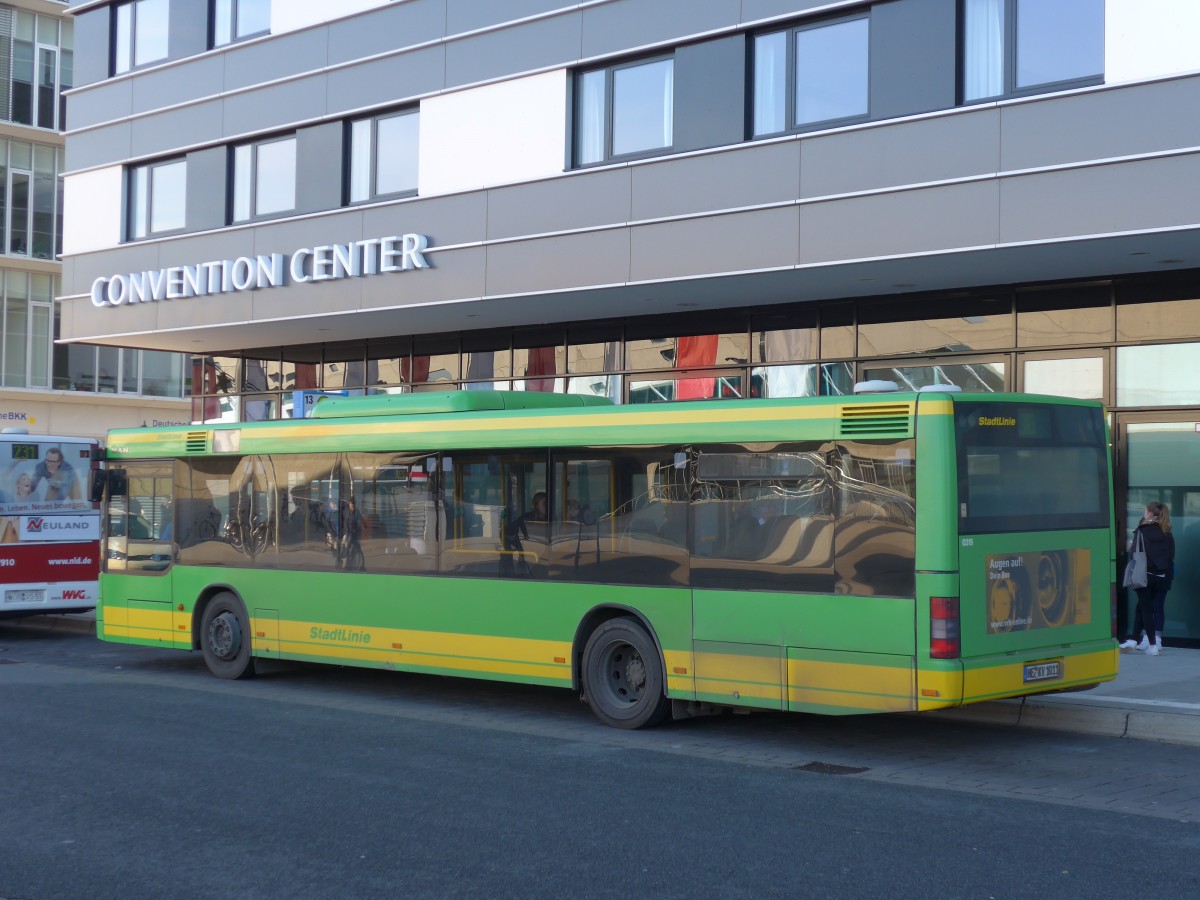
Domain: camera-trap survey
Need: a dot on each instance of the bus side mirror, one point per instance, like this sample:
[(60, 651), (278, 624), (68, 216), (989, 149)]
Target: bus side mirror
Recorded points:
[(99, 480)]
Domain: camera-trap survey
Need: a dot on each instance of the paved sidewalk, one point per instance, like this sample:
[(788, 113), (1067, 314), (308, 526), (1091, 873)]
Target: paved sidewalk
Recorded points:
[(1154, 698)]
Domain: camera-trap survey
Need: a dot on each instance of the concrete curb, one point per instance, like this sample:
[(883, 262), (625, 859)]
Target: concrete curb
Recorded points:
[(1075, 717)]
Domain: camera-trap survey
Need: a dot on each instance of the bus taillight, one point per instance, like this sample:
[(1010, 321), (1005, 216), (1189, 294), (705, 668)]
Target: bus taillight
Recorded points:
[(943, 628)]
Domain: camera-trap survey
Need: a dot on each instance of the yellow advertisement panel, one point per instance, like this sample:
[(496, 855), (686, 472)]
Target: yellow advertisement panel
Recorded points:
[(1038, 589)]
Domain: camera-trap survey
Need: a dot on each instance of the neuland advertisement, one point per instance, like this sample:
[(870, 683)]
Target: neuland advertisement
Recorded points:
[(1038, 589), (48, 527)]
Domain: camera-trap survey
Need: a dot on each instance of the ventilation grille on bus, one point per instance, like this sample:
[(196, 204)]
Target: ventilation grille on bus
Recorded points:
[(877, 419), (196, 442)]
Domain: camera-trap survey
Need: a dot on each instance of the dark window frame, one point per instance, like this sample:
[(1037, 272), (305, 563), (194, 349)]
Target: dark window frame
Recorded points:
[(234, 36), (373, 195), (1009, 88), (130, 174), (790, 124), (133, 31), (606, 154), (254, 214)]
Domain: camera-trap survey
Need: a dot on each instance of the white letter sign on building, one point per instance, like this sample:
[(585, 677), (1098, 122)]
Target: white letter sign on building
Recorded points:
[(329, 262)]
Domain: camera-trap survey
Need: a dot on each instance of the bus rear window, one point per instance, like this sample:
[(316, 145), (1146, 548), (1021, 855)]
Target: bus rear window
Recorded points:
[(1030, 467)]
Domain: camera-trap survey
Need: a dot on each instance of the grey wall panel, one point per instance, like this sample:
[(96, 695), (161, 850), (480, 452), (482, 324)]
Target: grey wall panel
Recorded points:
[(914, 57), (1102, 124), (467, 15), (229, 243), (206, 188), (747, 176), (452, 219), (383, 30), (388, 80), (545, 42), (99, 146), (453, 275), (1130, 196), (710, 94), (196, 312), (92, 36), (753, 10), (319, 167), (555, 263), (314, 299), (165, 132), (933, 149), (188, 28), (585, 200), (277, 106), (764, 239), (615, 27), (287, 54), (289, 235), (918, 221), (180, 83), (101, 103), (136, 257)]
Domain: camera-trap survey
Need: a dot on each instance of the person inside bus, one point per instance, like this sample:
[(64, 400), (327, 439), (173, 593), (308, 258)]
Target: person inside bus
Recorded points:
[(1155, 529), (168, 519), (61, 480)]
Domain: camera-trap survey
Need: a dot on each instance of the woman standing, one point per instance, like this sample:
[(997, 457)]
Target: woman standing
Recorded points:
[(1155, 529)]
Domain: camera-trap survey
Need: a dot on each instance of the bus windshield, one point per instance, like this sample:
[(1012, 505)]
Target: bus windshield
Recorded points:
[(1030, 467)]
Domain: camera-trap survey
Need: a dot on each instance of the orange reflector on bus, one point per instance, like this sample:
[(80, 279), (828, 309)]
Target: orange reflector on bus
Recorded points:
[(183, 628), (397, 646), (181, 607), (930, 692), (679, 670), (560, 659)]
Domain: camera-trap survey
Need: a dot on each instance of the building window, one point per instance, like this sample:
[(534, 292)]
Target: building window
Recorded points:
[(31, 199), (139, 34), (27, 318), (42, 63), (624, 111), (236, 20), (1026, 46), (264, 178), (157, 198), (383, 156), (815, 74)]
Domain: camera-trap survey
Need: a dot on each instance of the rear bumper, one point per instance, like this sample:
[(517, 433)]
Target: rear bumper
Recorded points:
[(943, 684)]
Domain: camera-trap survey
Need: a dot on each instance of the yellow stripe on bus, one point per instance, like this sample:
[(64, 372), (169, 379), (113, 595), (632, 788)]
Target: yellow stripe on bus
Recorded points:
[(854, 685), (470, 422)]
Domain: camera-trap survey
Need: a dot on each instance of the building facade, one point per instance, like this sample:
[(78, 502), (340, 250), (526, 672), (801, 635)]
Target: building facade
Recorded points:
[(652, 200), (43, 387)]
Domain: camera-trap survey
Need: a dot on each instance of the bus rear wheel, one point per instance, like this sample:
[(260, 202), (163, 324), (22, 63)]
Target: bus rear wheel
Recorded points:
[(622, 676), (225, 637)]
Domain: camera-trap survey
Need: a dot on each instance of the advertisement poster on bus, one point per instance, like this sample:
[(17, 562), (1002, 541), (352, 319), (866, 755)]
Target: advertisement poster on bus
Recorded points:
[(43, 492), (1038, 589)]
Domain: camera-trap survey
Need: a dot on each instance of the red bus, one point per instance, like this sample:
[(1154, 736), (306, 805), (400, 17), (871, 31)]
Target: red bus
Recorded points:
[(49, 524)]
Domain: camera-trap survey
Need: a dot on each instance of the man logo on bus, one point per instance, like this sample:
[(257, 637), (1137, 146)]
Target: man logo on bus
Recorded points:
[(35, 525)]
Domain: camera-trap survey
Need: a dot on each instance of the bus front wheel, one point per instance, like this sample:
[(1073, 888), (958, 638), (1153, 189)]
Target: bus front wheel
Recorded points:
[(225, 637), (622, 676)]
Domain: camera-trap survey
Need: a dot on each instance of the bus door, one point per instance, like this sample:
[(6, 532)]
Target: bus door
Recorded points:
[(139, 551), (1035, 554)]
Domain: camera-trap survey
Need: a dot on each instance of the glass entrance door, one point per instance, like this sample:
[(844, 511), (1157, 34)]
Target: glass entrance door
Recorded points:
[(1158, 458)]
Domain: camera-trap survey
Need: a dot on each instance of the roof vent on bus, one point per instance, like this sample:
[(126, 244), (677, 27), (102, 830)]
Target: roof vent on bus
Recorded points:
[(15, 430), (196, 442), (877, 420), (939, 389), (877, 386)]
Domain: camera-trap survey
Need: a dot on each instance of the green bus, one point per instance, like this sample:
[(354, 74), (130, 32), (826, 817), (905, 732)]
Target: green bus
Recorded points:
[(840, 555)]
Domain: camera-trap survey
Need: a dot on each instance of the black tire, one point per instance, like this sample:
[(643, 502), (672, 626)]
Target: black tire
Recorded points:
[(225, 638), (622, 677)]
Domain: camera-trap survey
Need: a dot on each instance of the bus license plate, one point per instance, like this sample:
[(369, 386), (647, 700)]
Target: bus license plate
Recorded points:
[(38, 596), (1043, 671)]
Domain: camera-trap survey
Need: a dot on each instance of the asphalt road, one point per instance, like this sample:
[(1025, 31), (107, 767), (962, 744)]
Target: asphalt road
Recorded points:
[(131, 772)]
